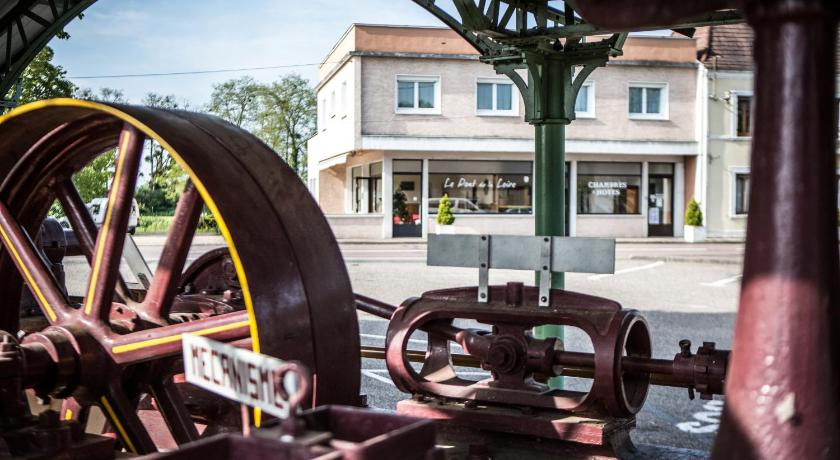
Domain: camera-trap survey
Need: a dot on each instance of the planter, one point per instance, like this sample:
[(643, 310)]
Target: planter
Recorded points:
[(444, 229), (694, 234)]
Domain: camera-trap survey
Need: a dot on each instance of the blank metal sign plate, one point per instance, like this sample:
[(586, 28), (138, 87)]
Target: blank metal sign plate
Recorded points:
[(516, 252)]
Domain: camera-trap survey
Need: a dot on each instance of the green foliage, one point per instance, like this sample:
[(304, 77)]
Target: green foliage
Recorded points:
[(401, 207), (104, 95), (154, 201), (445, 216), (282, 114), (207, 222), (43, 80), (153, 224), (693, 215), (236, 101), (92, 181)]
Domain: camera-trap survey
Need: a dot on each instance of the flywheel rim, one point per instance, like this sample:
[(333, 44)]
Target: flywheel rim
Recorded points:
[(339, 372)]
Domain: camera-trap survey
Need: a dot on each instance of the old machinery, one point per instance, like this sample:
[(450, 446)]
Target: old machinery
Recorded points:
[(114, 347)]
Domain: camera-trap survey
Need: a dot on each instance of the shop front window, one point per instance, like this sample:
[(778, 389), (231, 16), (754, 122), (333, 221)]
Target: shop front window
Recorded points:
[(497, 187), (609, 188), (742, 194), (375, 185)]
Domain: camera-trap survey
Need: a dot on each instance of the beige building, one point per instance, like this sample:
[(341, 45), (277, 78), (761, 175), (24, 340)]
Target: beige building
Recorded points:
[(407, 114), (722, 188)]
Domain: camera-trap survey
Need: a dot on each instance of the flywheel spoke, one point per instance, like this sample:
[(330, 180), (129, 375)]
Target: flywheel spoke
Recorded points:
[(111, 238), (83, 225), (80, 219), (165, 341), (32, 267), (174, 412), (123, 417), (162, 290)]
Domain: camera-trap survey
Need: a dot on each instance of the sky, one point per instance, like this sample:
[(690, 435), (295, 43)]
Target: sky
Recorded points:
[(118, 37)]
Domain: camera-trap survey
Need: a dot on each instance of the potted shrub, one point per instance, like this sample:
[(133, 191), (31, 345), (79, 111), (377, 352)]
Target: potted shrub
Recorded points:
[(694, 232), (445, 219)]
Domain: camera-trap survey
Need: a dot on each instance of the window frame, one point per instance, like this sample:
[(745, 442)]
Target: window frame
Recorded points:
[(733, 184), (733, 121), (590, 101), (494, 112), (416, 110), (664, 105)]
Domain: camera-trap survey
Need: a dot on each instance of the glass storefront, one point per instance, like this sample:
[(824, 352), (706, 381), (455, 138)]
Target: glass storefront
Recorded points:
[(495, 187), (609, 188)]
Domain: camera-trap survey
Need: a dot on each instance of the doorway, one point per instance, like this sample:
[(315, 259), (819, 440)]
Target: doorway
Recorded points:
[(661, 199), (408, 199)]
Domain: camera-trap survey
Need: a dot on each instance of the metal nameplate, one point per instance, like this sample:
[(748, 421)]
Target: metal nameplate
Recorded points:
[(517, 252), (241, 375)]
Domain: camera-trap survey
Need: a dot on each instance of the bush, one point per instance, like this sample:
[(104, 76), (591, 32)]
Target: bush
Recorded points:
[(207, 222), (693, 215), (445, 216), (153, 224)]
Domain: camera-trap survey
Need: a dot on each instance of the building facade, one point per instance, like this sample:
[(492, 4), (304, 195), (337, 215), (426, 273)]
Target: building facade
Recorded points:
[(723, 180), (408, 114)]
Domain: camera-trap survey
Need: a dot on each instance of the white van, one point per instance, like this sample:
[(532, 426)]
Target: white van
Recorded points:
[(97, 207)]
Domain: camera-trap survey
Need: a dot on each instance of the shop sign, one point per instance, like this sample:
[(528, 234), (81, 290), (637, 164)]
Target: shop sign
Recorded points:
[(241, 375), (611, 188), (462, 182)]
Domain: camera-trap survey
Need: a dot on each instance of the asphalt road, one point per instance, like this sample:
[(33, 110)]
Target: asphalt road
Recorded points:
[(681, 294)]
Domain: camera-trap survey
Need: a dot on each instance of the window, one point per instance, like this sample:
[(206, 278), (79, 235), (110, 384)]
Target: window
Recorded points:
[(609, 188), (332, 104), (356, 183), (495, 96), (743, 122), (418, 94), (375, 188), (585, 102), (648, 101), (323, 115), (502, 187), (344, 107), (742, 193)]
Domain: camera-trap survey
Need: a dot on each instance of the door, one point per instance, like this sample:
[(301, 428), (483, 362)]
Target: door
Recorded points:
[(408, 199), (661, 201)]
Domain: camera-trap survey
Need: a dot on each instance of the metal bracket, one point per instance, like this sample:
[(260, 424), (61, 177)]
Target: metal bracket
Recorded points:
[(542, 254), (483, 268), (545, 271)]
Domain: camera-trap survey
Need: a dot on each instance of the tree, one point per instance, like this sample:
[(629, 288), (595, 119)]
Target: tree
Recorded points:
[(286, 119), (164, 178), (104, 95), (43, 80), (236, 101), (445, 216)]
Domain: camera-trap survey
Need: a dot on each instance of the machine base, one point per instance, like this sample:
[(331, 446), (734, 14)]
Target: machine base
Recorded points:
[(481, 431)]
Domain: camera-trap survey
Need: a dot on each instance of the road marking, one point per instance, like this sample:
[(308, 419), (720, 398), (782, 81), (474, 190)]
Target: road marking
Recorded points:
[(384, 259), (628, 270), (422, 342), (723, 282), (382, 337), (707, 421), (468, 373), (378, 377)]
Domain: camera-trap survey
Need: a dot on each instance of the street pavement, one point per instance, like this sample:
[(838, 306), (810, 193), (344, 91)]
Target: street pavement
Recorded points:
[(684, 291)]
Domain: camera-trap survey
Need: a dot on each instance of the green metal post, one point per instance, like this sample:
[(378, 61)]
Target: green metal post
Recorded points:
[(557, 110)]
